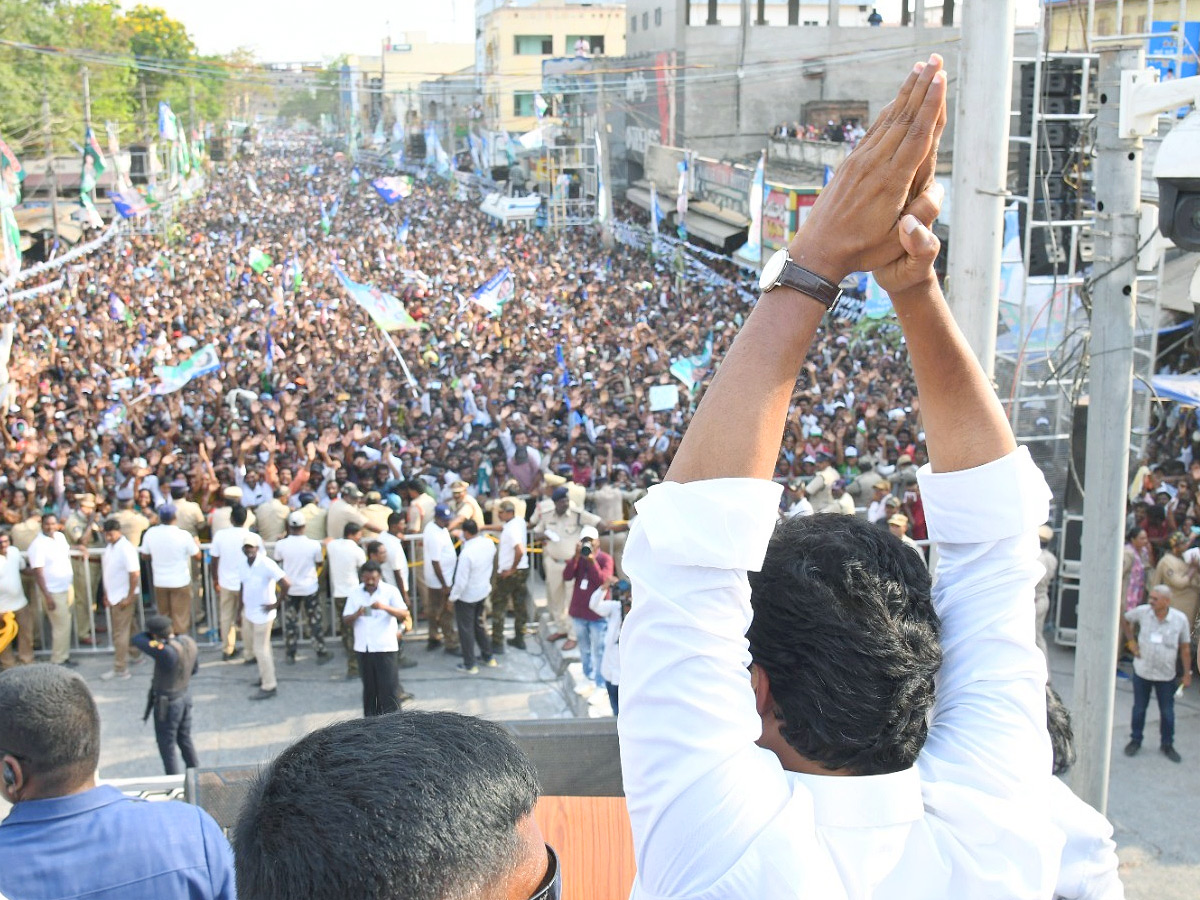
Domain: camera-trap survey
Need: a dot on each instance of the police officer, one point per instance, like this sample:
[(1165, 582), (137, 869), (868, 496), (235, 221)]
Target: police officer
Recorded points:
[(82, 530), (176, 660)]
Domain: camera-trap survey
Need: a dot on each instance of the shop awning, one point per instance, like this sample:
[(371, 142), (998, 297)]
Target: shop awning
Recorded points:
[(720, 234)]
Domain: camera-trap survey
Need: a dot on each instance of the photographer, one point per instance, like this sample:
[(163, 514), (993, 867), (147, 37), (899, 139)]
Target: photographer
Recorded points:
[(589, 568)]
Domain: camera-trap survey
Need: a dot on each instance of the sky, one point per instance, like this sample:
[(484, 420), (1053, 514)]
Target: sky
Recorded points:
[(315, 30)]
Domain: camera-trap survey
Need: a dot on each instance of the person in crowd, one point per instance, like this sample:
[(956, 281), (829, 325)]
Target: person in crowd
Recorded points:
[(444, 804), (613, 610), (82, 531), (176, 660), (49, 559), (377, 615), (121, 578), (1136, 567), (843, 627), (171, 551), (560, 525), (225, 551), (589, 567), (471, 587), (50, 735), (263, 584), (1159, 637), (345, 556), (14, 603), (440, 559), (512, 577), (1179, 576), (299, 556)]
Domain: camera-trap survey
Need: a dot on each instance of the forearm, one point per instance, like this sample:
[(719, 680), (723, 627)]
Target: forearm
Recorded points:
[(965, 425), (738, 428)]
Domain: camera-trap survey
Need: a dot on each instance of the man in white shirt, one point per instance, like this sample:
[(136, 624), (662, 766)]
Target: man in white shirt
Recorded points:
[(877, 510), (438, 549), (1163, 641), (394, 566), (121, 572), (345, 556), (512, 577), (262, 581), (300, 555), (49, 558), (726, 765), (472, 584), (171, 551), (226, 554), (13, 600), (377, 614)]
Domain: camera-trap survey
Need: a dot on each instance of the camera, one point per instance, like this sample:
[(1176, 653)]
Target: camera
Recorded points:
[(586, 550), (1177, 171)]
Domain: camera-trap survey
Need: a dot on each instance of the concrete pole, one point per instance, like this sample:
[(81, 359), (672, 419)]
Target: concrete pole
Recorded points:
[(1114, 300), (835, 9), (980, 173), (605, 173)]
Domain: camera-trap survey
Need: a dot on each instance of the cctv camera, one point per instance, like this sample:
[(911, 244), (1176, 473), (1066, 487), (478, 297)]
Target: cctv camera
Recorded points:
[(1177, 171)]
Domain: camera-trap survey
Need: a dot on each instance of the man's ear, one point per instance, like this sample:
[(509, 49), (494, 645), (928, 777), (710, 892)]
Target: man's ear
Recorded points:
[(14, 777), (760, 682)]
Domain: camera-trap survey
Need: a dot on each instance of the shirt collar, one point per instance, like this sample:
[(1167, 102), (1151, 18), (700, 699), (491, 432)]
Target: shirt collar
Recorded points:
[(28, 811), (864, 800)]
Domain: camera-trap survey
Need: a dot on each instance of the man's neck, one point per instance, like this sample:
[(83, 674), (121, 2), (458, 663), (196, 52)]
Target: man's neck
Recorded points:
[(80, 788)]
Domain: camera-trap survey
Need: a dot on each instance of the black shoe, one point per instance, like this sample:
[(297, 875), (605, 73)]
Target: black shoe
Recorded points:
[(323, 657), (1132, 748), (250, 662), (1171, 753), (263, 694), (405, 696), (226, 657), (432, 644), (518, 642), (406, 663), (69, 663)]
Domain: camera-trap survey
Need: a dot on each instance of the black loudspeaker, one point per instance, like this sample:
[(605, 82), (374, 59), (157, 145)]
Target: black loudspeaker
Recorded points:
[(139, 164), (573, 758), (1073, 503), (1068, 606)]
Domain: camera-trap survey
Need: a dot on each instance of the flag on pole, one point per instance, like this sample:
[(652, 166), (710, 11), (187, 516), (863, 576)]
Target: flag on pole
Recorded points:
[(681, 199), (402, 231), (540, 106), (656, 212), (128, 204), (171, 378), (495, 292), (688, 368), (828, 175), (385, 310), (601, 187), (92, 167), (91, 150), (393, 187), (355, 175), (168, 123), (259, 261), (326, 223), (113, 418), (253, 185), (114, 153), (751, 251), (11, 176)]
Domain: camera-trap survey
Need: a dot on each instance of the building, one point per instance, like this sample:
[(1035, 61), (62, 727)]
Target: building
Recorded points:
[(388, 85), (1067, 27), (516, 40)]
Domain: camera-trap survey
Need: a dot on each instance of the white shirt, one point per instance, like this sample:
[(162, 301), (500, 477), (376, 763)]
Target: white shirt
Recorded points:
[(170, 549), (345, 557), (376, 631), (12, 592), (226, 546), (396, 558), (514, 534), (473, 577), (437, 544), (610, 663), (300, 556), (53, 556), (1158, 641), (877, 510), (714, 816), (258, 587), (116, 563)]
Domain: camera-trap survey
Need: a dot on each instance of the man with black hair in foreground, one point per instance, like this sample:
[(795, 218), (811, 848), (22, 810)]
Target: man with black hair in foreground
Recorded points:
[(815, 760), (68, 837), (419, 805)]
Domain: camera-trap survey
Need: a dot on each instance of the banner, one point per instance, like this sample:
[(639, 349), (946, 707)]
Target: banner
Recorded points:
[(495, 292), (128, 204), (259, 261), (168, 124), (393, 187), (688, 369), (203, 362), (11, 176), (386, 311), (601, 187)]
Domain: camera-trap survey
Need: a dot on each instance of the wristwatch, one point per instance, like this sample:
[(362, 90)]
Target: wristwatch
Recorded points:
[(780, 269)]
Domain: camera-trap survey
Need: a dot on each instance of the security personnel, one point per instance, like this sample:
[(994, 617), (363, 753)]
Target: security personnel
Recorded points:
[(560, 523), (82, 530), (133, 523), (176, 660), (190, 517)]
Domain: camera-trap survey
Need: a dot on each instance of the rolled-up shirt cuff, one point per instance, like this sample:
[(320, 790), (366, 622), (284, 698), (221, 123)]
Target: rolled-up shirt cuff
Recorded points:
[(1012, 489), (721, 523)]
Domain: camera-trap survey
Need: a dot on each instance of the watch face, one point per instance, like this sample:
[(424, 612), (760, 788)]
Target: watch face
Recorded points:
[(771, 269)]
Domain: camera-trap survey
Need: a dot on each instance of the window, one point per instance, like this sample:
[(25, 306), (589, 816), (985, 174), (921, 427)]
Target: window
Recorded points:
[(533, 44), (583, 44), (645, 21), (658, 15), (523, 103)]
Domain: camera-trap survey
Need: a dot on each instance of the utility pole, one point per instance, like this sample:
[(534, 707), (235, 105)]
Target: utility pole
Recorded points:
[(191, 114), (51, 174), (1114, 301), (87, 97), (145, 115), (980, 173), (604, 173), (383, 95)]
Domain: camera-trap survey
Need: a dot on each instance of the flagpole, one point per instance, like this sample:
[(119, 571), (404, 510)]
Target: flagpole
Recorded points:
[(412, 382)]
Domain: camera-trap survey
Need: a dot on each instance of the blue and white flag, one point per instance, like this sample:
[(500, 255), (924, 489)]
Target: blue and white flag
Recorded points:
[(495, 292), (540, 106), (128, 203), (402, 231), (688, 369), (386, 311), (355, 175), (751, 251), (393, 187), (171, 378), (656, 212), (168, 123), (113, 418), (828, 175)]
